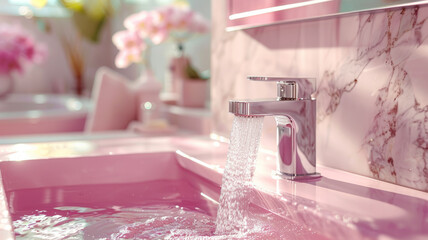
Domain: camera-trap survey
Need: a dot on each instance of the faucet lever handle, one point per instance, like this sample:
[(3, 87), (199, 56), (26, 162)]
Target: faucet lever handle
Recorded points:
[(289, 88), (286, 90)]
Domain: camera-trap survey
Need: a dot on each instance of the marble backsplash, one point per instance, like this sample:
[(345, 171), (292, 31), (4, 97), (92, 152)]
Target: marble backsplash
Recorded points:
[(372, 91)]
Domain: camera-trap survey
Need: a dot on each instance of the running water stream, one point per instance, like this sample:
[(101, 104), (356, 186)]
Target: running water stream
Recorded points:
[(238, 173)]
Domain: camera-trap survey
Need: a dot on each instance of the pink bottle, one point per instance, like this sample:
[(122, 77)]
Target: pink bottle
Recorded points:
[(147, 90)]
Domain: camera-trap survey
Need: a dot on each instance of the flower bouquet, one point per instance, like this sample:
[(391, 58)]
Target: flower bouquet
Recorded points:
[(175, 23), (18, 51), (172, 22)]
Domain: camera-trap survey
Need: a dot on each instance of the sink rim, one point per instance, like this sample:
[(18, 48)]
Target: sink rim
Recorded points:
[(66, 106)]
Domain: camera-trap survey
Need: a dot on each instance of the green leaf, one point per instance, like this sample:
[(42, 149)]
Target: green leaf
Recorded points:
[(191, 72), (88, 27), (73, 5)]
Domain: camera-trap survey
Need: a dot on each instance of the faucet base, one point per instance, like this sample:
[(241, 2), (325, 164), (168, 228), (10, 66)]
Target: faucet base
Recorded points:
[(297, 177)]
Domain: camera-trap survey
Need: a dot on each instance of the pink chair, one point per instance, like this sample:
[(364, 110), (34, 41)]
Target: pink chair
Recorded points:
[(114, 102)]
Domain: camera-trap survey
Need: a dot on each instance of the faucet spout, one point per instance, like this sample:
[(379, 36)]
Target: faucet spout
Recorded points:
[(296, 128), (267, 107)]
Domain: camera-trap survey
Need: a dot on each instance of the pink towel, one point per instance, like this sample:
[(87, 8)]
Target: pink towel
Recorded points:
[(114, 102)]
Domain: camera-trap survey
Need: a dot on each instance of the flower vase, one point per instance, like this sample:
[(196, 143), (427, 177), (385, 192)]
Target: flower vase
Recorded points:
[(177, 67), (190, 92), (193, 92), (6, 85), (147, 96)]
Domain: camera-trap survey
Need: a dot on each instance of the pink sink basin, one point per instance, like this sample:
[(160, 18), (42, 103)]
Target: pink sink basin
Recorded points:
[(100, 187), (110, 189), (22, 114)]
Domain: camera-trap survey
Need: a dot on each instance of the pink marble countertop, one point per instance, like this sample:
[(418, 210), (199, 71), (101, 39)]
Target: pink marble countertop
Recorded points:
[(339, 204)]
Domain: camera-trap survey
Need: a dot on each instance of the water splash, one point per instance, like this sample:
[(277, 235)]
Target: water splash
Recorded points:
[(148, 222), (239, 171), (165, 221)]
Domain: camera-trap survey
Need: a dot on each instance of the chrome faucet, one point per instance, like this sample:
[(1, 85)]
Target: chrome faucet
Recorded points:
[(294, 111)]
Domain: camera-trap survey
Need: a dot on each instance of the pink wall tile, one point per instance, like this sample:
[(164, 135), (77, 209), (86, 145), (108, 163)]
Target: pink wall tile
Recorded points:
[(370, 69)]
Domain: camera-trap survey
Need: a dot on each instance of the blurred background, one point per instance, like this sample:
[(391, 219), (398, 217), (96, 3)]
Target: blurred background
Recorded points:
[(78, 36)]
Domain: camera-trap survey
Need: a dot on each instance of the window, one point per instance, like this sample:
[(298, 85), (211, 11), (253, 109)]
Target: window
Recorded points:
[(27, 8)]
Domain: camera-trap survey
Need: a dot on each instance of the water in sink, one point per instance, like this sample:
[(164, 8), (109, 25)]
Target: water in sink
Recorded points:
[(164, 209), (144, 222), (176, 211), (147, 222)]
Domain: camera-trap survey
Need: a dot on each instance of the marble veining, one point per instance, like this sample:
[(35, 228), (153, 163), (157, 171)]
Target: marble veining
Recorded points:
[(372, 112), (397, 138), (398, 132)]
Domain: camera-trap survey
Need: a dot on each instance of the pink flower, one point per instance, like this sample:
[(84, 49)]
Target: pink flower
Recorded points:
[(17, 48), (127, 56), (180, 18), (150, 25), (159, 19), (159, 35), (8, 62), (198, 24), (130, 46), (157, 26), (140, 23), (128, 40)]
